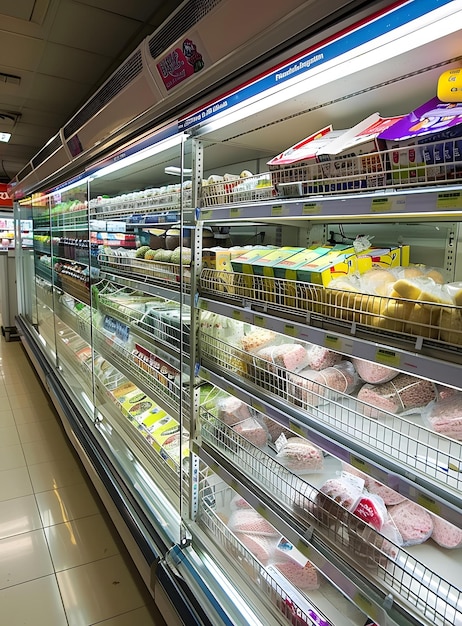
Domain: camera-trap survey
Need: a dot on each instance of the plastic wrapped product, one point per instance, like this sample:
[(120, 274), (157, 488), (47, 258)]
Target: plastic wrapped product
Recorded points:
[(261, 547), (445, 534), (253, 430), (372, 510), (370, 547), (231, 410), (299, 455), (345, 490), (403, 393), (312, 388), (445, 416), (319, 357), (377, 281), (388, 495), (451, 325), (250, 522), (238, 502), (292, 357), (275, 429), (413, 522), (304, 577), (373, 372), (257, 339)]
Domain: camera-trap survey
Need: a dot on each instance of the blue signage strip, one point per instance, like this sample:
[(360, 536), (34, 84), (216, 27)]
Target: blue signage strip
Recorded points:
[(360, 35)]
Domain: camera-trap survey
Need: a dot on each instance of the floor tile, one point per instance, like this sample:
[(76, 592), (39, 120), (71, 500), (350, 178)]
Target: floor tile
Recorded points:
[(15, 483), (7, 418), (42, 451), (3, 392), (19, 515), (33, 414), (43, 606), (143, 616), (28, 400), (9, 436), (80, 541), (12, 457), (28, 388), (24, 557), (107, 586), (65, 504), (43, 430), (56, 474)]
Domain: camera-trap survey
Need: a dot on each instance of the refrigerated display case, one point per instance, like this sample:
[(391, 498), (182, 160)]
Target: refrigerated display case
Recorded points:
[(282, 446)]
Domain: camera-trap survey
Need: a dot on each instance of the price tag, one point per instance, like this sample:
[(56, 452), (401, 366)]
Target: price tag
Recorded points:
[(259, 320), (257, 406), (381, 205), (366, 606), (296, 428), (205, 375), (276, 211), (290, 330), (204, 305), (235, 212), (230, 389), (333, 343), (237, 315), (312, 208), (359, 464), (428, 503), (449, 200), (387, 357), (206, 214)]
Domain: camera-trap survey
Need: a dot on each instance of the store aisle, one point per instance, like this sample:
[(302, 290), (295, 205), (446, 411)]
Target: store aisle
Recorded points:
[(62, 562)]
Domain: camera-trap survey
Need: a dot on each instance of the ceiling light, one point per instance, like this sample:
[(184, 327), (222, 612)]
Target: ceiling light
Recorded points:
[(5, 137)]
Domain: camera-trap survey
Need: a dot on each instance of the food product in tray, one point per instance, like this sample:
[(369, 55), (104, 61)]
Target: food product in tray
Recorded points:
[(404, 393), (299, 455), (292, 357), (444, 416), (413, 522), (374, 372), (313, 388), (445, 534), (250, 522)]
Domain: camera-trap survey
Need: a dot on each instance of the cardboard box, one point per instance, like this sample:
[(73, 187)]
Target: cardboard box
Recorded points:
[(426, 145), (356, 156), (387, 257), (330, 266)]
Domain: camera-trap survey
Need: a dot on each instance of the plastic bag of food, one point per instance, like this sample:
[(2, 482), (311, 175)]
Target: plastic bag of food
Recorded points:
[(445, 416), (250, 522), (403, 393), (445, 534), (256, 339), (313, 388), (319, 357), (299, 455), (253, 430), (231, 410), (373, 372), (413, 522), (291, 356)]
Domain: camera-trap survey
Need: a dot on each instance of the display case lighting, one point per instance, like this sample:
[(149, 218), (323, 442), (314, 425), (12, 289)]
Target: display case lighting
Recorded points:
[(177, 171), (430, 27), (5, 137)]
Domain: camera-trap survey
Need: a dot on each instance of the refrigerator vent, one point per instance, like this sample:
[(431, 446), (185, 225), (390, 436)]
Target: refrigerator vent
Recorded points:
[(24, 172), (119, 80), (47, 151), (180, 23)]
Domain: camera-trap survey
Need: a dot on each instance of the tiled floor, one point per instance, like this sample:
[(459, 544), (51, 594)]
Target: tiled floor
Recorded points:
[(62, 562)]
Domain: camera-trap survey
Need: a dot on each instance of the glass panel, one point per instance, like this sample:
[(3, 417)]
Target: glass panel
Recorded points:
[(25, 274), (140, 321), (71, 291)]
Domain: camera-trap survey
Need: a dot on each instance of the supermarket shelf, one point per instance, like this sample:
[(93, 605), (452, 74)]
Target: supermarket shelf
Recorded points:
[(167, 398), (440, 365), (324, 548), (77, 322), (142, 283), (404, 456)]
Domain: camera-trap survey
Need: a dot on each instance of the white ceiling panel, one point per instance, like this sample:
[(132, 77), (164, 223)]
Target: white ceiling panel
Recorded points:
[(73, 63)]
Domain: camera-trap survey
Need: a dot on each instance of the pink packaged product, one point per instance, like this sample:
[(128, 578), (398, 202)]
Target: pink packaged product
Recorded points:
[(413, 522), (445, 534), (312, 387), (319, 357), (250, 522), (445, 416), (261, 547), (275, 429), (373, 372), (299, 455), (403, 393), (231, 410), (256, 339), (238, 502), (372, 510), (388, 495), (253, 430), (292, 357), (346, 490), (295, 566)]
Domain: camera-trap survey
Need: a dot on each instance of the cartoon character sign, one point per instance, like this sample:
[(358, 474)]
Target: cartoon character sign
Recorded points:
[(180, 63)]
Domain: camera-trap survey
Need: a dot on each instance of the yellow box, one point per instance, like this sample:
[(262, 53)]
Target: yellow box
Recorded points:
[(387, 257), (333, 265)]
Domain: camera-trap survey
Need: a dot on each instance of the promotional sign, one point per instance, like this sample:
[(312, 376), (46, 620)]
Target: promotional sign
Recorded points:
[(180, 63), (5, 200)]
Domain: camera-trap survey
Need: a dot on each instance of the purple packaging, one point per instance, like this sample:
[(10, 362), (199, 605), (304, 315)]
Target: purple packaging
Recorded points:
[(433, 130)]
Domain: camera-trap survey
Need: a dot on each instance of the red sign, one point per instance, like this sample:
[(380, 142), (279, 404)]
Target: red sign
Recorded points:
[(179, 64), (5, 199)]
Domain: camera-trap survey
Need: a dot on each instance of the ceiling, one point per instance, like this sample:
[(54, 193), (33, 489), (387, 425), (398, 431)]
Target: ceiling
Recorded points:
[(54, 54)]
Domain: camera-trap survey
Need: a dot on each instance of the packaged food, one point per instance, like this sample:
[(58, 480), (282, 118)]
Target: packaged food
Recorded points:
[(231, 410), (253, 430), (445, 534), (250, 522), (256, 339), (373, 372), (292, 357), (404, 393), (299, 455), (413, 522), (261, 547), (445, 416), (319, 357), (313, 388)]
